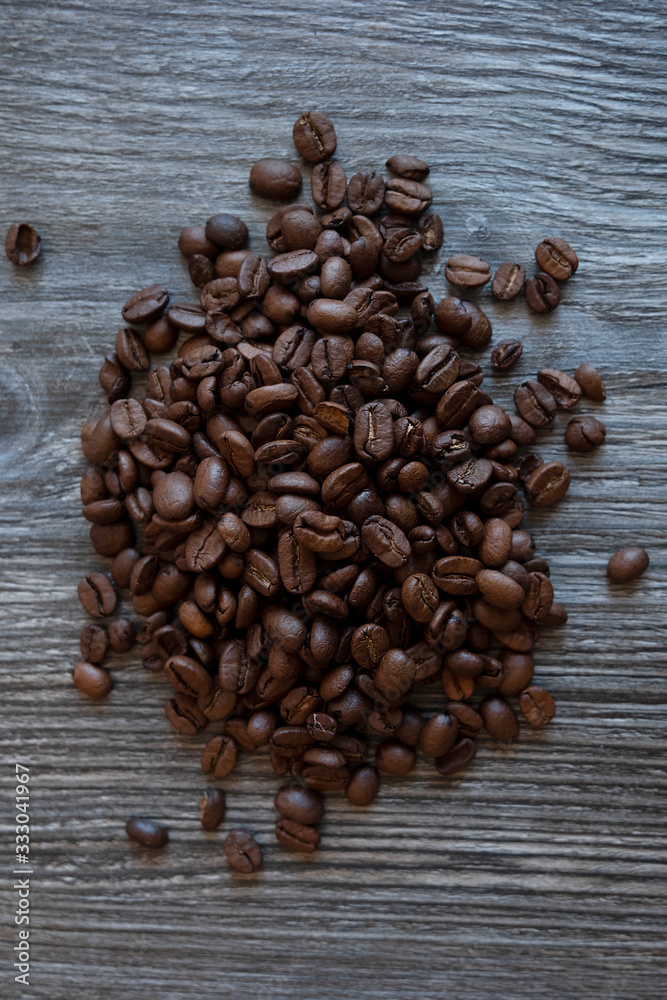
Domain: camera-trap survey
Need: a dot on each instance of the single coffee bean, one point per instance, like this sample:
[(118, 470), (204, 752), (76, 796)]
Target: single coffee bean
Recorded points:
[(363, 786), (555, 256), (537, 706), (314, 136), (410, 167), (97, 595), (365, 193), (542, 292), (499, 719), (565, 390), (329, 185), (212, 808), (395, 758), (91, 680), (94, 642), (242, 851), (23, 244), (227, 231), (627, 564), (146, 833), (547, 484), (275, 179), (385, 540), (467, 271), (219, 756), (303, 805), (122, 635), (591, 382), (407, 197), (438, 735), (146, 305), (535, 403), (131, 351), (458, 758), (297, 836), (431, 228), (505, 355), (585, 434), (508, 281)]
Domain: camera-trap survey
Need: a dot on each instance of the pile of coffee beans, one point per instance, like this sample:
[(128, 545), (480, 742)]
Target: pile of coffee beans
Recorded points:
[(315, 505)]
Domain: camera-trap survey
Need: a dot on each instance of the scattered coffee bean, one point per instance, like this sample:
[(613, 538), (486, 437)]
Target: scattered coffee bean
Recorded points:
[(146, 833), (585, 434), (541, 292), (94, 643), (212, 808), (23, 244), (92, 680), (97, 595), (555, 256), (506, 355), (508, 281), (537, 706), (275, 179), (467, 271), (591, 382), (627, 564), (242, 851), (314, 136)]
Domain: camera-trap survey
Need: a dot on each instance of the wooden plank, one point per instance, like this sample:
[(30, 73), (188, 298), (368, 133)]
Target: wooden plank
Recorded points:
[(541, 874)]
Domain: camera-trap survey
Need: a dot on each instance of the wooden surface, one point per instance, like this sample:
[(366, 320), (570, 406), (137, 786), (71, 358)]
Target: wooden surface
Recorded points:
[(541, 873)]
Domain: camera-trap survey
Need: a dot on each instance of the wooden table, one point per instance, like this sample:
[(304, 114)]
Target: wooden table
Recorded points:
[(540, 874)]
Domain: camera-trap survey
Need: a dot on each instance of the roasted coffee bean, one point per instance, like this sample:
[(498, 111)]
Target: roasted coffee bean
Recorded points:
[(302, 805), (406, 196), (542, 292), (97, 595), (627, 564), (466, 271), (227, 231), (276, 179), (500, 719), (94, 642), (585, 434), (363, 786), (122, 635), (505, 355), (242, 851), (458, 758), (395, 758), (508, 281), (547, 484), (535, 403), (212, 808), (365, 193), (91, 680), (314, 136), (146, 833), (146, 305), (591, 382), (23, 244), (297, 836), (555, 256), (565, 390), (219, 756), (438, 735), (185, 715), (385, 540), (537, 706)]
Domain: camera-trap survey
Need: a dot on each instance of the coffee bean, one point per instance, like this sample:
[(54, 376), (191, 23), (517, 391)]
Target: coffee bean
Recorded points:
[(302, 805), (93, 643), (410, 167), (314, 136), (535, 403), (212, 808), (185, 715), (219, 756), (23, 244), (505, 355), (565, 390), (395, 758), (297, 836), (407, 197), (508, 281), (500, 719), (91, 680), (97, 595), (365, 193), (242, 851), (328, 184), (585, 434), (466, 271), (627, 564), (122, 635), (555, 256), (146, 305), (131, 351), (227, 231), (547, 484), (537, 706), (276, 179), (458, 758), (542, 292), (591, 382), (146, 833)]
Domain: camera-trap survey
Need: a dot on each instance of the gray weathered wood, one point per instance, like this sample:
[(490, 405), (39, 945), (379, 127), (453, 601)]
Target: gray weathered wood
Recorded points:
[(539, 875)]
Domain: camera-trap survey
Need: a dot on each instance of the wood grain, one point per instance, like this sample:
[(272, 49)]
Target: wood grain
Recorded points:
[(539, 875)]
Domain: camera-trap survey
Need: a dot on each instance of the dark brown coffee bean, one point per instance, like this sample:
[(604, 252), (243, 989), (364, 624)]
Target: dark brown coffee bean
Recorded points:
[(23, 244), (627, 564), (185, 715), (363, 786), (146, 833), (555, 256), (565, 390), (219, 756), (97, 595), (505, 355), (458, 758), (385, 540), (93, 643), (395, 758), (302, 805), (395, 674), (410, 167), (365, 193), (535, 403), (537, 706), (542, 292), (275, 179), (585, 434), (212, 808), (242, 851), (499, 719), (547, 484), (297, 836), (227, 231), (130, 351), (314, 136), (438, 735), (508, 281), (91, 680), (591, 382), (146, 305), (122, 635), (192, 240), (466, 271), (407, 197), (329, 185)]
